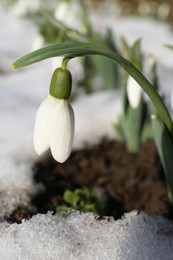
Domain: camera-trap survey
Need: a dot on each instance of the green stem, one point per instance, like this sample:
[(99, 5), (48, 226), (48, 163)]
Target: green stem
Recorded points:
[(64, 63)]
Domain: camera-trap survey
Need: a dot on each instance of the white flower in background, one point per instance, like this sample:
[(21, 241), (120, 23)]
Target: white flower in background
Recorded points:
[(70, 14), (134, 92), (54, 128)]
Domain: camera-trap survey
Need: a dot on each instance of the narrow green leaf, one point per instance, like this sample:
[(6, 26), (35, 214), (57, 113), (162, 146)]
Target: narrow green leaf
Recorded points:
[(119, 131), (73, 49), (133, 126), (107, 70), (164, 146), (125, 48), (169, 46), (147, 132), (136, 49)]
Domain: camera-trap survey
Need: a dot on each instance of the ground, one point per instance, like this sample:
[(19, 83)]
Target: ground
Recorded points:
[(124, 181)]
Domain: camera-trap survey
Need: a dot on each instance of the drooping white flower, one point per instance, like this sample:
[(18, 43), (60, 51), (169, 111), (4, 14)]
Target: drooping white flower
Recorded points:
[(134, 92), (54, 128)]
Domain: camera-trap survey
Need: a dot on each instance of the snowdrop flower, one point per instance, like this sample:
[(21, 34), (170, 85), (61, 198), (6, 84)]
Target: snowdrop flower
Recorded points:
[(54, 124), (134, 92)]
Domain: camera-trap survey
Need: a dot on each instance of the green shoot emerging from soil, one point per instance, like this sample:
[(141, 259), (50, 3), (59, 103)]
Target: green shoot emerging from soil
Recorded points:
[(80, 199)]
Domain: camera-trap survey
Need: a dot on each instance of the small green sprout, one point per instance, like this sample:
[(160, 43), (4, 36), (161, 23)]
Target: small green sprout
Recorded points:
[(80, 199)]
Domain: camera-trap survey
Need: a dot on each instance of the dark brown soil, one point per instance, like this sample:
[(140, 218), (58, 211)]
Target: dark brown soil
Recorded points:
[(125, 181)]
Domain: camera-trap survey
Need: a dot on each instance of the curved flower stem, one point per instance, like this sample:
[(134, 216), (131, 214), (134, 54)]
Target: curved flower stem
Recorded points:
[(65, 62), (76, 49)]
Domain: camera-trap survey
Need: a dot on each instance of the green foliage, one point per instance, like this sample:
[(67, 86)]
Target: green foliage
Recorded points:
[(147, 132), (103, 67), (133, 126), (163, 137), (80, 199), (51, 29), (130, 127), (77, 49), (8, 3), (46, 28), (55, 31), (164, 144)]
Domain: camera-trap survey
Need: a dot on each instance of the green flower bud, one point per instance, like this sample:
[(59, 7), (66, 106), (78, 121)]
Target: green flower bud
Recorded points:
[(61, 83)]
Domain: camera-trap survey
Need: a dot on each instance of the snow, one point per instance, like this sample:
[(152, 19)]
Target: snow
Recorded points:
[(84, 236), (76, 236)]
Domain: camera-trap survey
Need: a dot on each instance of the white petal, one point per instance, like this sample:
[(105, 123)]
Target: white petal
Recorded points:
[(61, 130), (134, 92), (41, 141)]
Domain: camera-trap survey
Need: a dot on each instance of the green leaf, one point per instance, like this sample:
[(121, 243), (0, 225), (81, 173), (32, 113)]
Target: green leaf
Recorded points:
[(125, 48), (61, 208), (136, 49), (74, 49), (169, 46), (147, 132), (132, 126), (107, 70), (125, 101), (164, 146), (83, 192), (72, 198), (89, 207), (119, 131), (153, 71)]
